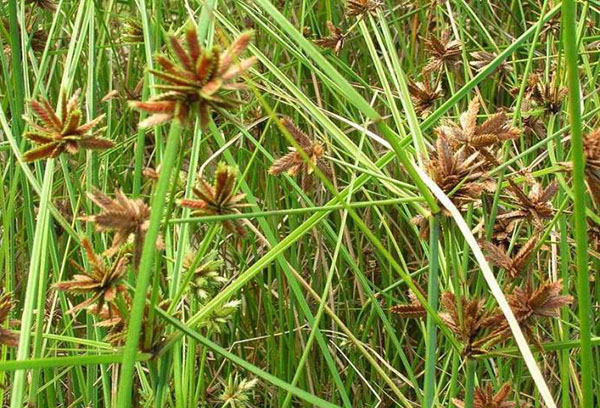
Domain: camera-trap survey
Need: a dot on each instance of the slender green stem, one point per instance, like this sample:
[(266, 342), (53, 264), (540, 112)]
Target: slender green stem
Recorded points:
[(432, 297), (146, 268), (293, 211), (470, 383), (319, 315), (323, 300), (69, 361), (581, 241), (36, 269)]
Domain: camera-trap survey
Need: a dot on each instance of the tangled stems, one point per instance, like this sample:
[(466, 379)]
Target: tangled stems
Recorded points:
[(146, 267)]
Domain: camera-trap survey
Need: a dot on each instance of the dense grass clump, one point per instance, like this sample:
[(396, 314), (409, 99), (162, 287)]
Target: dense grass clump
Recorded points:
[(359, 203)]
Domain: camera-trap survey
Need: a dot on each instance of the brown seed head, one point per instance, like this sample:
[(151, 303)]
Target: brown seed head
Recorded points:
[(424, 94), (545, 301), (196, 80), (461, 175), (414, 309), (102, 282), (546, 94), (484, 397), (474, 137), (63, 131), (536, 205), (334, 41), (294, 163), (481, 59), (218, 198), (124, 216), (514, 265), (470, 326), (359, 8), (443, 52)]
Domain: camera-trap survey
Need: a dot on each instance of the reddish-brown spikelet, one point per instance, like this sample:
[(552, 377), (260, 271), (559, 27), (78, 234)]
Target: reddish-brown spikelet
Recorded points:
[(414, 309), (461, 175), (218, 198), (548, 95), (424, 94), (334, 41), (125, 217), (195, 80), (481, 59), (536, 205), (474, 137), (529, 304), (486, 398), (359, 8), (545, 301), (513, 265), (62, 132), (294, 163), (444, 52), (471, 325), (102, 282)]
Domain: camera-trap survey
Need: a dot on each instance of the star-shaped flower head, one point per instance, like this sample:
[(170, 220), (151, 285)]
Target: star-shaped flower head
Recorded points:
[(544, 301), (486, 398), (196, 80), (536, 205), (219, 319), (124, 216), (218, 198), (424, 94), (237, 393), (102, 282), (294, 163), (206, 277), (62, 131), (529, 304), (444, 52), (461, 175), (546, 94), (514, 265), (474, 137), (359, 8), (334, 41), (469, 326), (482, 59)]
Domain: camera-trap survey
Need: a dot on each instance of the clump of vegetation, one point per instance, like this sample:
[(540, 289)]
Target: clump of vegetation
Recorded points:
[(281, 203)]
